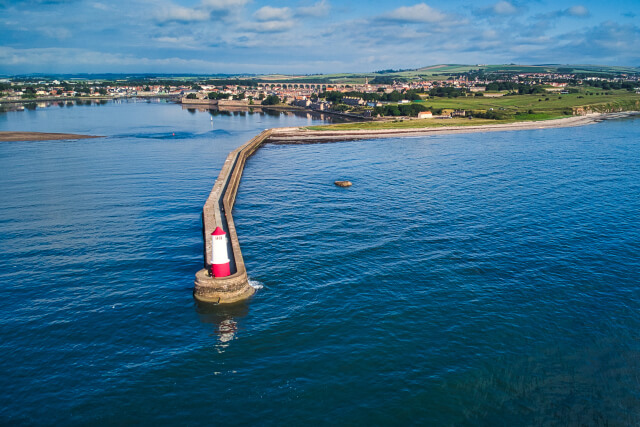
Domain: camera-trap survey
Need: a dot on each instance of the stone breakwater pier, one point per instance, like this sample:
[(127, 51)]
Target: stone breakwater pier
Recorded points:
[(216, 213)]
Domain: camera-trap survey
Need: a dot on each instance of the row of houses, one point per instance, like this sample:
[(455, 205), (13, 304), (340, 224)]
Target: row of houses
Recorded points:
[(289, 92), (55, 90)]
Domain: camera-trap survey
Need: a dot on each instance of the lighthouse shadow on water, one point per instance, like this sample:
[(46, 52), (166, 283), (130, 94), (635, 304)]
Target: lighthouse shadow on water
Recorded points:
[(222, 317)]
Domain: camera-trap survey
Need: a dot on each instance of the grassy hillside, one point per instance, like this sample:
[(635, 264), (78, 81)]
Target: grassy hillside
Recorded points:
[(515, 108), (550, 103), (443, 71)]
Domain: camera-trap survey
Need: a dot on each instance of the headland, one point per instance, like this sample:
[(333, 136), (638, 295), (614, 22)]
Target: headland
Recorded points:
[(376, 130)]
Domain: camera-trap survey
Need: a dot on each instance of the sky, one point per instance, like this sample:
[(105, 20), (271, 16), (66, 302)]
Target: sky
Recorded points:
[(307, 37)]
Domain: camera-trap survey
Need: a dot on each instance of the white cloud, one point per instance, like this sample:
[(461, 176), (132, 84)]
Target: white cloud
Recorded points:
[(578, 11), (268, 13), (320, 8), (100, 6), (180, 14), (171, 12), (489, 34), (421, 12), (606, 43), (182, 41), (83, 60), (504, 8), (269, 26), (58, 33), (227, 5), (289, 39), (269, 20)]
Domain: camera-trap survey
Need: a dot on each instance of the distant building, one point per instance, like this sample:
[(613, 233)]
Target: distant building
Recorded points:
[(353, 101), (304, 103), (425, 115), (320, 105)]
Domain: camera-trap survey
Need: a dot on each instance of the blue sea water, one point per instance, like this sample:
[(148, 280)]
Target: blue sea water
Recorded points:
[(479, 279)]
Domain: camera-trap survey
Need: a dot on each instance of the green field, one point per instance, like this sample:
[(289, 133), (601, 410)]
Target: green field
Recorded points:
[(409, 124), (555, 105), (515, 108), (513, 68), (443, 71)]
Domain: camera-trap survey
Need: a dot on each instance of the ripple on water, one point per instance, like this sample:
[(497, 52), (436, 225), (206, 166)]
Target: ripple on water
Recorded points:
[(479, 276), (462, 280)]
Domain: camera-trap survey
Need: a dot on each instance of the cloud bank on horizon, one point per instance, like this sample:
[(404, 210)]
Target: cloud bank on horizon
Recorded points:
[(315, 36)]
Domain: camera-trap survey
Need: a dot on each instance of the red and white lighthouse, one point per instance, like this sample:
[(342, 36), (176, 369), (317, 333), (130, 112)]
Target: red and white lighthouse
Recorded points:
[(219, 256)]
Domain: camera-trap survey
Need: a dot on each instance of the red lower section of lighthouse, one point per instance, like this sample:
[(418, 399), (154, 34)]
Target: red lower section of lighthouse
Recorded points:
[(221, 270)]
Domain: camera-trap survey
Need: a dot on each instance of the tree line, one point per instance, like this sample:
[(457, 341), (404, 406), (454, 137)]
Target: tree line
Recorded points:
[(605, 85), (394, 96), (410, 110)]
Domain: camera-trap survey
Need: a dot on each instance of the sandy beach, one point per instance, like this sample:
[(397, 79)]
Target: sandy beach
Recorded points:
[(40, 136), (306, 136)]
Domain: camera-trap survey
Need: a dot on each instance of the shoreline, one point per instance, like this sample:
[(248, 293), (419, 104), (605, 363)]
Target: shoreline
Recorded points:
[(299, 135), (306, 136), (9, 136), (81, 98)]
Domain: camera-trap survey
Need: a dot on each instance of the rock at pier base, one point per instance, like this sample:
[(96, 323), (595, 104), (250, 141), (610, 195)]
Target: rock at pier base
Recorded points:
[(343, 183), (222, 290)]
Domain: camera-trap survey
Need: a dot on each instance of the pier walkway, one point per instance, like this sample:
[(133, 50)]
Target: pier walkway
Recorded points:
[(217, 213)]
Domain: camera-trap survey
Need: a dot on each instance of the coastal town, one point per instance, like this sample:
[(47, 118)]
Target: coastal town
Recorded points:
[(358, 98)]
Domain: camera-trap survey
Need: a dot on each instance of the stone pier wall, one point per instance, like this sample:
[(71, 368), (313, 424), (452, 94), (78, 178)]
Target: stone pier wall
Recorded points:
[(217, 213)]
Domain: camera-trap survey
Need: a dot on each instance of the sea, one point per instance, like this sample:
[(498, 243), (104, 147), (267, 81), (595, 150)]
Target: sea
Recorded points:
[(463, 280)]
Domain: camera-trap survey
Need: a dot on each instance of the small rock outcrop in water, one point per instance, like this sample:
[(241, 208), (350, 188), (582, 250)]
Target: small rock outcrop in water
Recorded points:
[(343, 183)]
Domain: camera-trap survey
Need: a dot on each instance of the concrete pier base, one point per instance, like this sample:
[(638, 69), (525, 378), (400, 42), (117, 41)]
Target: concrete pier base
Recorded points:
[(222, 290)]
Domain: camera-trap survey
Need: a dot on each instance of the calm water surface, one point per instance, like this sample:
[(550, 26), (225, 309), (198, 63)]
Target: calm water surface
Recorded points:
[(484, 279)]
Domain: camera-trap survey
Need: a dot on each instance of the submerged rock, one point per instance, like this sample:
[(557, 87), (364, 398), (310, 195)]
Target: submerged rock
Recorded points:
[(343, 183)]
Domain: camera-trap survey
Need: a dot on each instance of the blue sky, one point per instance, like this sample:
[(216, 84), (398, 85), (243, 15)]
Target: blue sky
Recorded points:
[(316, 36)]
